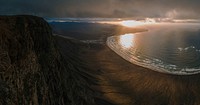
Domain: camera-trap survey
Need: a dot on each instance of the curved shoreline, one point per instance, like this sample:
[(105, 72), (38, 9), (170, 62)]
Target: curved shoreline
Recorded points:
[(133, 60)]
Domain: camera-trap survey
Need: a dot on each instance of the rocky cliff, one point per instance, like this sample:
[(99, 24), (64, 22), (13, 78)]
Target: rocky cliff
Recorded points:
[(34, 70)]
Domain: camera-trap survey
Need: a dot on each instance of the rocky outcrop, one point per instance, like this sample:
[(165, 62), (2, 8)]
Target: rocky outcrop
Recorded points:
[(32, 69)]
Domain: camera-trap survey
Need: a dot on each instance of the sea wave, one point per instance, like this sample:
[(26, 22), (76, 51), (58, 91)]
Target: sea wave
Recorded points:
[(149, 62)]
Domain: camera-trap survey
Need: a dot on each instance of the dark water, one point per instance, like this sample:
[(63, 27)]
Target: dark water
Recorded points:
[(169, 48)]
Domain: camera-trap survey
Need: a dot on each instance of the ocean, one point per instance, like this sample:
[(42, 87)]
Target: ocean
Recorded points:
[(172, 48)]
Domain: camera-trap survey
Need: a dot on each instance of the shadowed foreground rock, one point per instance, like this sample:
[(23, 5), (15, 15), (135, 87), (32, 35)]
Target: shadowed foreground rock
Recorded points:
[(33, 71)]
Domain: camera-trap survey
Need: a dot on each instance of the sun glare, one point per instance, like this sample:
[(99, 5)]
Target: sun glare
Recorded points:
[(127, 40), (134, 23), (131, 23)]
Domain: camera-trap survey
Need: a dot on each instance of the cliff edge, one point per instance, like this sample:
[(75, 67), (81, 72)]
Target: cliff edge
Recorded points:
[(32, 68)]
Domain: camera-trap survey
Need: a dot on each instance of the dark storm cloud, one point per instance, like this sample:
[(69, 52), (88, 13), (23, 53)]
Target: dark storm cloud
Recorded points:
[(103, 8)]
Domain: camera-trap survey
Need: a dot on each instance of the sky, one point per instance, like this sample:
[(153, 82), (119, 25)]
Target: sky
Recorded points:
[(178, 9)]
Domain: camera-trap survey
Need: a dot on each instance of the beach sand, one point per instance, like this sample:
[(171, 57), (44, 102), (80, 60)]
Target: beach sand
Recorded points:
[(123, 83)]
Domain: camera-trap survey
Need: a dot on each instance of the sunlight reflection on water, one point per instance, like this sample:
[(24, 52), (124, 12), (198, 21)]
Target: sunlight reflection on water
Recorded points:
[(167, 49), (127, 40)]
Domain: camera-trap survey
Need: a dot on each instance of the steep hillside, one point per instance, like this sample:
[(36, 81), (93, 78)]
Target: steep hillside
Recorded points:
[(32, 69)]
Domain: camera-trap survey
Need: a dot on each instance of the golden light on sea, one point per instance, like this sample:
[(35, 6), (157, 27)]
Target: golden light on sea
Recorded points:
[(127, 40)]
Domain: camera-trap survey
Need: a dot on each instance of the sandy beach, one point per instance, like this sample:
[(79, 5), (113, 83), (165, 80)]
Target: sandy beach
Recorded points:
[(123, 83)]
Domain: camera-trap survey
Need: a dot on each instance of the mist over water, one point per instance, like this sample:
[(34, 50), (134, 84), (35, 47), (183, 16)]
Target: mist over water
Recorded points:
[(166, 47)]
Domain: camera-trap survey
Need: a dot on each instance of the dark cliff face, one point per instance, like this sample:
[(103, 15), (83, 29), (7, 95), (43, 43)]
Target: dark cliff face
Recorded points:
[(32, 69)]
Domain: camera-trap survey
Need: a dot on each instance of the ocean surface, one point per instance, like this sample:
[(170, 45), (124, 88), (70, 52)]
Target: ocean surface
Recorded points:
[(172, 48)]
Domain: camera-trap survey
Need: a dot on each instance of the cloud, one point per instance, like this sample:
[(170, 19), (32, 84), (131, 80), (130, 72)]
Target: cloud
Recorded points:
[(103, 8)]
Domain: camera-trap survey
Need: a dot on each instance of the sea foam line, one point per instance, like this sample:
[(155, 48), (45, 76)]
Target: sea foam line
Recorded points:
[(160, 67)]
